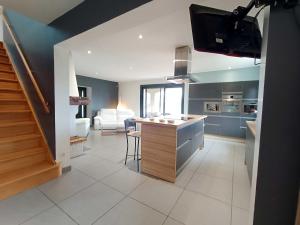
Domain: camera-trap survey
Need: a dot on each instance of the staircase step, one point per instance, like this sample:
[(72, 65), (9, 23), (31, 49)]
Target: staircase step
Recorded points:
[(13, 104), (20, 163), (6, 93), (21, 154), (19, 138), (12, 144), (5, 66), (2, 51), (9, 83), (15, 115), (8, 75), (8, 80), (20, 180), (12, 129), (5, 70), (4, 59)]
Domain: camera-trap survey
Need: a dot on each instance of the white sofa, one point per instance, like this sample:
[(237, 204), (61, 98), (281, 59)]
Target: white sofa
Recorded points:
[(112, 119), (82, 127)]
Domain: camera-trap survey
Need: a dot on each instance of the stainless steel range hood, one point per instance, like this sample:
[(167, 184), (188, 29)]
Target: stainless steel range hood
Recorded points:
[(182, 61)]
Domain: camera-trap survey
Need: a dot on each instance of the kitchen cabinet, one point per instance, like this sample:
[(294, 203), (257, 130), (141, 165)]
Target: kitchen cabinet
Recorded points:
[(212, 90), (223, 123), (232, 87), (250, 90), (249, 153), (231, 127)]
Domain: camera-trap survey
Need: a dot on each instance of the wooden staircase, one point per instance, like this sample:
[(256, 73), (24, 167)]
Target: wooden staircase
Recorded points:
[(25, 158)]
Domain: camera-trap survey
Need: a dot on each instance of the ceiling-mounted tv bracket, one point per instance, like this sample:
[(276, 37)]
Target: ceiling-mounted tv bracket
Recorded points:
[(241, 12)]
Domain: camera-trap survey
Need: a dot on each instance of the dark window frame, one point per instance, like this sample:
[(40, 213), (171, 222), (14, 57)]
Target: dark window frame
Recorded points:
[(164, 87)]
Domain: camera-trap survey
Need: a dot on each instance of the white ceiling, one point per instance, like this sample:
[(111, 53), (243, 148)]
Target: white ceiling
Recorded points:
[(42, 10), (119, 55)]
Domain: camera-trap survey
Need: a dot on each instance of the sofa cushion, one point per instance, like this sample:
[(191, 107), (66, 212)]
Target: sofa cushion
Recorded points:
[(109, 114), (108, 124), (123, 114)]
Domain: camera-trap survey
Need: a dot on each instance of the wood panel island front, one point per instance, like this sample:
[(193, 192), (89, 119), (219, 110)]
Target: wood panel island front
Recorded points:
[(166, 147)]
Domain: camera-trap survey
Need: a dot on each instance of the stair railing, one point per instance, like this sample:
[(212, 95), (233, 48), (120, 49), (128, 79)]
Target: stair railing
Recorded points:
[(35, 84)]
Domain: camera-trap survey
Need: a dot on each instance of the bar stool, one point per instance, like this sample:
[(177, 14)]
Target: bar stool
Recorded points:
[(131, 131)]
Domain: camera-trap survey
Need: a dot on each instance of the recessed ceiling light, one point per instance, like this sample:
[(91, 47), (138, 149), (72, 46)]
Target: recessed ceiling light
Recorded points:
[(97, 73), (140, 36), (89, 52), (229, 67)]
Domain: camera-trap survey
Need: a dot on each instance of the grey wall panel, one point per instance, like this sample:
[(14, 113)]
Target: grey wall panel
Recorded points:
[(104, 93), (278, 175)]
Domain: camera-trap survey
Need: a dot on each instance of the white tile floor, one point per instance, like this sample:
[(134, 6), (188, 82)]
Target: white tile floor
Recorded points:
[(213, 189)]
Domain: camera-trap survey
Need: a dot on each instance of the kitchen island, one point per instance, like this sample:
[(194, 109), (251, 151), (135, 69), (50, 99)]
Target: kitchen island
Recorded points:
[(167, 146)]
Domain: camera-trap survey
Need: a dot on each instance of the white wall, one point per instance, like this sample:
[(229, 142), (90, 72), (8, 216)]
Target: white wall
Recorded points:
[(62, 65), (1, 24)]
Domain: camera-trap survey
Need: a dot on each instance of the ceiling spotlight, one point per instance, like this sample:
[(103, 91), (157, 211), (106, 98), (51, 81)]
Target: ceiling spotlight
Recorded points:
[(97, 73), (140, 36), (89, 52), (229, 67)]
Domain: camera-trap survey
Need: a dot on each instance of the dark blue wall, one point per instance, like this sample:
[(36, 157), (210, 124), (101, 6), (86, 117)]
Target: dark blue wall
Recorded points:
[(37, 41), (104, 93)]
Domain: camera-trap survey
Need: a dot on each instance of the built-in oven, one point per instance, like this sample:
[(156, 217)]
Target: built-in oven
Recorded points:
[(212, 107), (232, 102), (250, 108)]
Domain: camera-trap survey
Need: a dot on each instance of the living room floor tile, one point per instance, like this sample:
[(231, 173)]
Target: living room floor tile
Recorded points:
[(217, 188), (23, 206), (90, 204), (66, 185), (196, 209), (50, 217), (131, 212), (124, 180), (157, 194)]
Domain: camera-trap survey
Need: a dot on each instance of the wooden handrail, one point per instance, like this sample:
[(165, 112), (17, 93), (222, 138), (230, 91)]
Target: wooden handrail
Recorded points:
[(36, 86)]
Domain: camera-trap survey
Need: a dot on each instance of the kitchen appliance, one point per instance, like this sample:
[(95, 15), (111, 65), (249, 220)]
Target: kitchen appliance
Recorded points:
[(182, 61), (232, 102), (250, 108), (212, 107)]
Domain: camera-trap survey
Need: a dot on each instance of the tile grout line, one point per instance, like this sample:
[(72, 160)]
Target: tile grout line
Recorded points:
[(231, 211), (61, 209), (184, 188), (25, 221), (125, 196)]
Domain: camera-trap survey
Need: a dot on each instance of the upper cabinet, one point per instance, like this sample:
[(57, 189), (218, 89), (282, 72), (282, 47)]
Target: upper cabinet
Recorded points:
[(250, 90), (213, 90), (232, 87)]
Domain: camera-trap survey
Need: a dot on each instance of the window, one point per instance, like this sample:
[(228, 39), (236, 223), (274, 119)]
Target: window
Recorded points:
[(82, 109), (161, 99)]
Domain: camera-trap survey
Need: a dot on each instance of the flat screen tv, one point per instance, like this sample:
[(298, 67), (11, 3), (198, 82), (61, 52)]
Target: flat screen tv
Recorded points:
[(215, 31)]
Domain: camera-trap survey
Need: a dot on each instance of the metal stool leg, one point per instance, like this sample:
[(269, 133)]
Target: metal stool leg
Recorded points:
[(137, 155), (134, 148), (126, 152)]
